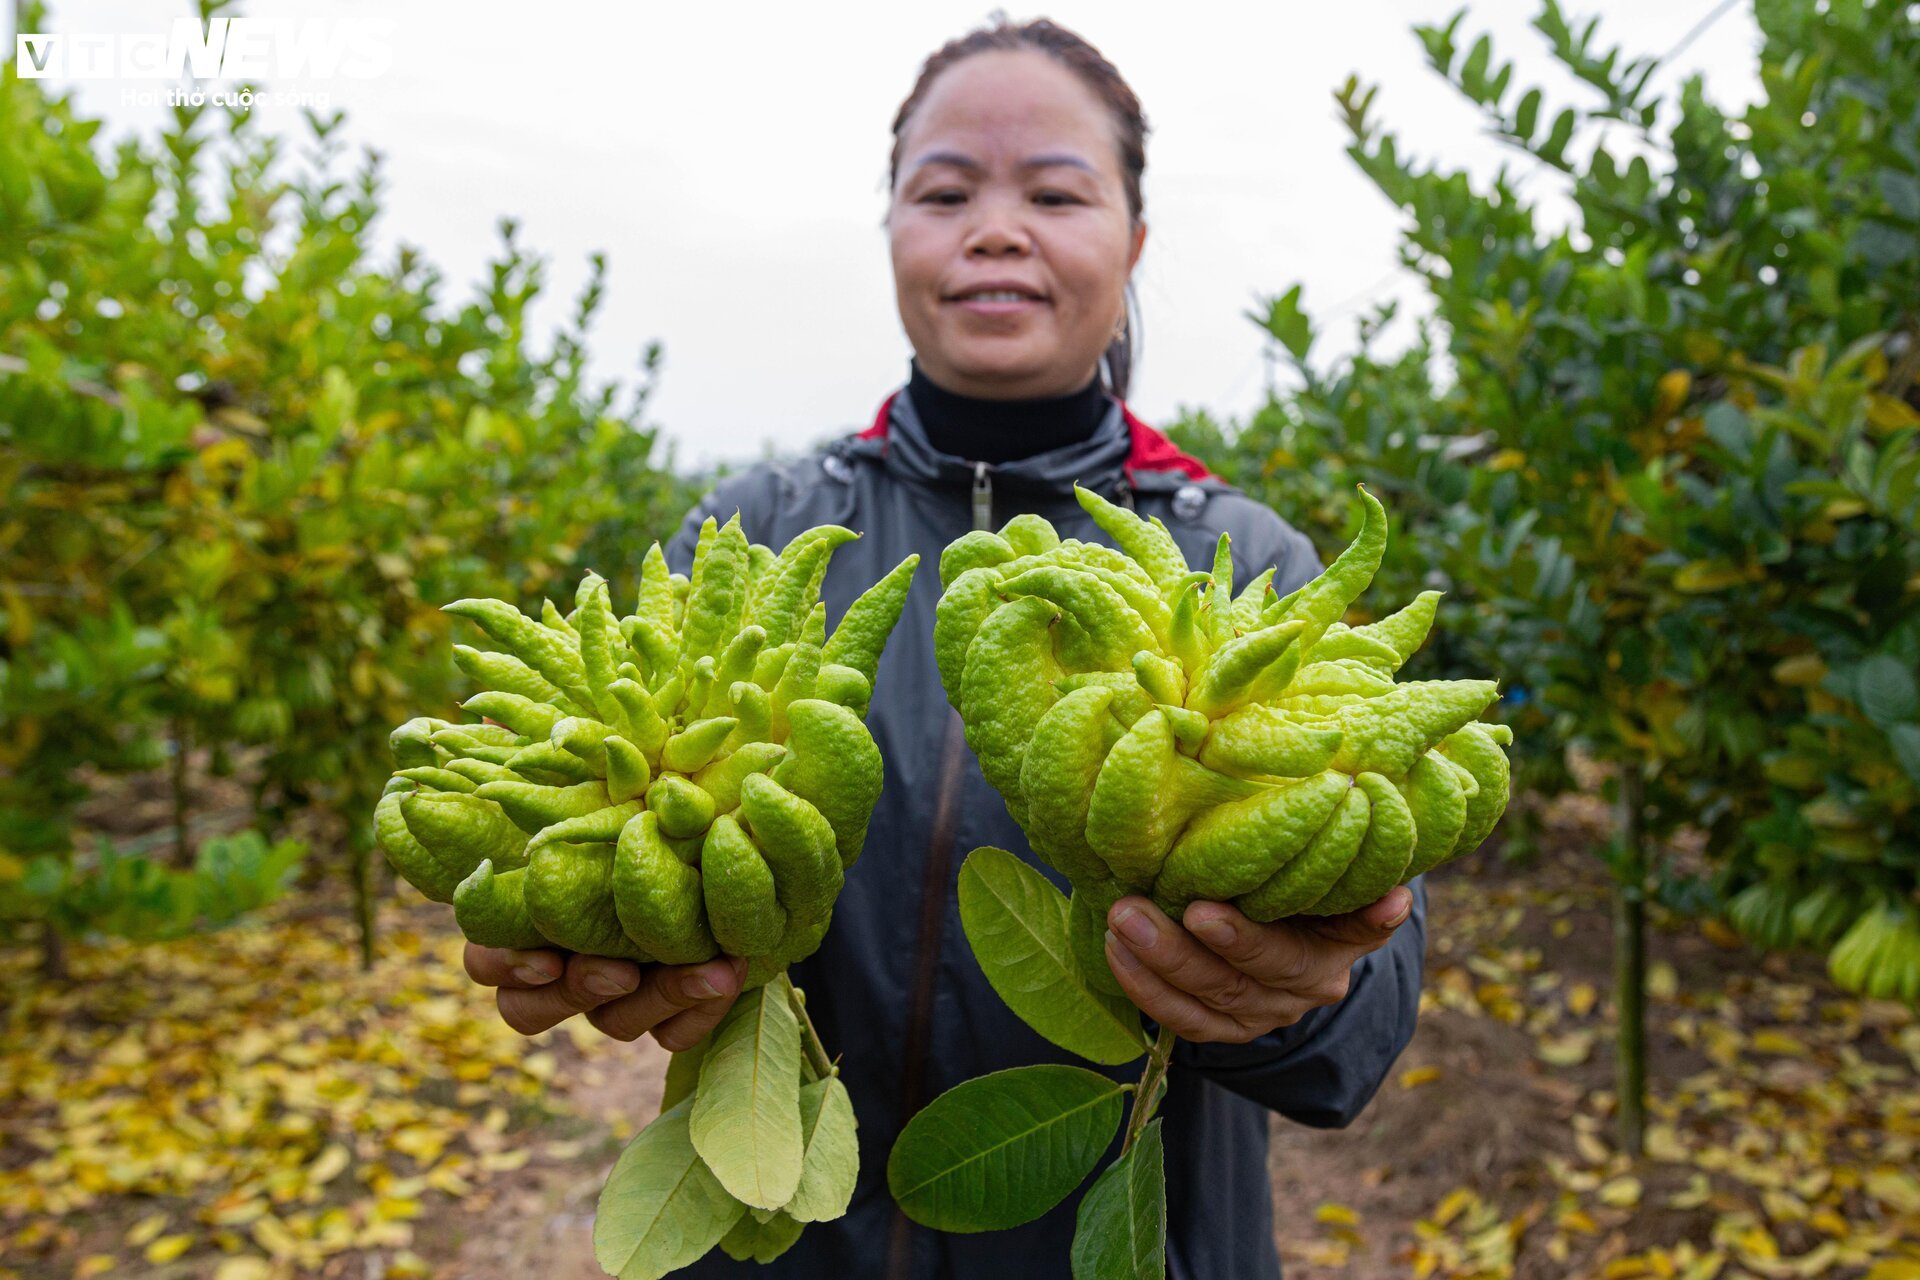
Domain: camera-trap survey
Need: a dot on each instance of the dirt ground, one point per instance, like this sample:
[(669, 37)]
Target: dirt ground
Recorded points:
[(1785, 1118)]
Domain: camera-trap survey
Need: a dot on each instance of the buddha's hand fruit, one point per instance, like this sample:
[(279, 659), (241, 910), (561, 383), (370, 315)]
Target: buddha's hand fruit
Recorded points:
[(689, 780), (1155, 733)]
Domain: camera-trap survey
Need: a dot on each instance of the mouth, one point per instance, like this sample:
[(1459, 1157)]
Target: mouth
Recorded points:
[(997, 301)]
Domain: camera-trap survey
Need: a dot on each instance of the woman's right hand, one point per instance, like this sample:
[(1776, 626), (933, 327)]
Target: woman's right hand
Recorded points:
[(539, 989)]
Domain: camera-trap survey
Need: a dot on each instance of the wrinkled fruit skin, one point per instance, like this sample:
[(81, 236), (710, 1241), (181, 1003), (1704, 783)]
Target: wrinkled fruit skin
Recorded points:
[(1153, 733), (689, 780)]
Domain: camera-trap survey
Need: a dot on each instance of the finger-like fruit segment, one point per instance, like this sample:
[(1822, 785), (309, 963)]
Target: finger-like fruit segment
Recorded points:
[(597, 827), (521, 714), (683, 806), (1000, 715), (723, 777), (1263, 741), (743, 907), (1148, 545), (492, 909), (434, 778), (975, 550), (459, 830), (797, 843), (1384, 852), (1099, 630), (833, 765), (1439, 805), (568, 890), (862, 632), (533, 806), (1386, 734), (1235, 847), (657, 895), (1057, 777), (1146, 792), (1305, 877)]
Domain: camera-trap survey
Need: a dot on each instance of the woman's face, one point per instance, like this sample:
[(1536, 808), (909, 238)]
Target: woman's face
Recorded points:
[(1010, 181)]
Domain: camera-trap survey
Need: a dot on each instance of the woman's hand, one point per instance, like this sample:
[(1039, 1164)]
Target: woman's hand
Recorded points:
[(679, 1004), (1224, 978)]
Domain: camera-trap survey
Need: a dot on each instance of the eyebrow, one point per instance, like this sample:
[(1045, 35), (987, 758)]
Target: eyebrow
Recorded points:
[(1046, 160)]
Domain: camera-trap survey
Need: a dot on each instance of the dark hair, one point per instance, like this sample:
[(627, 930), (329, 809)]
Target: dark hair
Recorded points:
[(1099, 75)]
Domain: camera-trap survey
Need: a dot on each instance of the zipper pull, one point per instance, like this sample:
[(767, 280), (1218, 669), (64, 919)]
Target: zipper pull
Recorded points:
[(982, 497)]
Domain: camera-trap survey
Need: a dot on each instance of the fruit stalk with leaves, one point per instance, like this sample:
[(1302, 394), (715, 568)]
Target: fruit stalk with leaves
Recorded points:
[(687, 781), (1155, 733)]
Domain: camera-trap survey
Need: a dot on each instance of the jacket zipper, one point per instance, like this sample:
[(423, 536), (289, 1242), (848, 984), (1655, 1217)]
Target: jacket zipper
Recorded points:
[(933, 918)]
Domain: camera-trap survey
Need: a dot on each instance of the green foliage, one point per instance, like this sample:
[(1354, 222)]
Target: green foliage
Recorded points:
[(132, 896), (1016, 925), (1120, 1232), (242, 463), (1672, 470), (1003, 1149)]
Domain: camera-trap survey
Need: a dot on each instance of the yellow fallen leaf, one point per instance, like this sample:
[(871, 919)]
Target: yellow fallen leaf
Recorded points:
[(167, 1248), (1620, 1193), (1579, 1220), (328, 1165), (1581, 997), (1663, 981), (1895, 1269), (1778, 1042), (408, 1265), (1414, 1077), (505, 1161), (1336, 1215), (1894, 1189), (145, 1230), (246, 1269), (1449, 1208), (1663, 1143), (1568, 1050), (94, 1264)]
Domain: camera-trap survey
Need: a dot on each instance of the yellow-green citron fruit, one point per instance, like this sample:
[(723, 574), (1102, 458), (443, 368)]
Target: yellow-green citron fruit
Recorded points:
[(690, 779), (1161, 730)]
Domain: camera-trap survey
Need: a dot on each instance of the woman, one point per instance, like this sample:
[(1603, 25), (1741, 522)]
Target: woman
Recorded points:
[(1015, 224)]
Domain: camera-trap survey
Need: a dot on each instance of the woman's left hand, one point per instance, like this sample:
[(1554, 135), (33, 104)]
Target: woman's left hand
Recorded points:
[(1224, 978)]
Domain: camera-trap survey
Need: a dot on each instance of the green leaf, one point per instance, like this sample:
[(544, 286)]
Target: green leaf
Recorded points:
[(662, 1208), (746, 1110), (1121, 1231), (752, 1240), (1553, 150), (1884, 689), (1526, 115), (1016, 923), (683, 1072), (1905, 739), (1003, 1149), (1902, 193), (832, 1162), (1287, 323)]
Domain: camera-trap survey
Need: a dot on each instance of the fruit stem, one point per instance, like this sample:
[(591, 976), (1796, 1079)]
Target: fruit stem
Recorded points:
[(1146, 1096), (809, 1038)]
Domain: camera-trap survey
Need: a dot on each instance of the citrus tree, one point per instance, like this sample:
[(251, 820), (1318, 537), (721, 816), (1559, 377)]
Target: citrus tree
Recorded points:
[(244, 463), (1688, 485)]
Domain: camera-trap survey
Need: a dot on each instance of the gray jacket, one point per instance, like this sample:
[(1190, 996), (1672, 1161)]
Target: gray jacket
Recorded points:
[(895, 992)]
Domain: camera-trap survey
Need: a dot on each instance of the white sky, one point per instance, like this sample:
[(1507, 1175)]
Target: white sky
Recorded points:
[(731, 161)]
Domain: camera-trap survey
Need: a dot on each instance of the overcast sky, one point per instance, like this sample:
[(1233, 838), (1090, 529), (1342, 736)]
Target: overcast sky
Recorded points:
[(731, 161)]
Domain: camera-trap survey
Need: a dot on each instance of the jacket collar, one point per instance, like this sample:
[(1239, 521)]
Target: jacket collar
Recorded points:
[(1122, 452)]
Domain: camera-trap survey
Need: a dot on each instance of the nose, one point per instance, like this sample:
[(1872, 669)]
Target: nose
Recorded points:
[(997, 230)]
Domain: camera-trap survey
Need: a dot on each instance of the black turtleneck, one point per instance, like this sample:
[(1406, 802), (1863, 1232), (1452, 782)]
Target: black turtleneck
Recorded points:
[(998, 431)]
